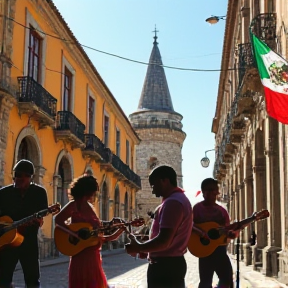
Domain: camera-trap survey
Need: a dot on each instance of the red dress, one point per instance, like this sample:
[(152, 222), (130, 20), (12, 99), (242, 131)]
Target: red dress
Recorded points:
[(85, 268)]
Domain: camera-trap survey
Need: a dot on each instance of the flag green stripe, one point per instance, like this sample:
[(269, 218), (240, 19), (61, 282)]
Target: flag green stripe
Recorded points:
[(260, 48)]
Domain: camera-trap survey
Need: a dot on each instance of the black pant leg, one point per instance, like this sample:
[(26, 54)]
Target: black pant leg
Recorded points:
[(8, 262), (29, 259), (224, 271), (168, 272), (206, 271)]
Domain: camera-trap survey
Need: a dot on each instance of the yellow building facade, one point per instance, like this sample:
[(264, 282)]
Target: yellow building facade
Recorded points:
[(56, 110)]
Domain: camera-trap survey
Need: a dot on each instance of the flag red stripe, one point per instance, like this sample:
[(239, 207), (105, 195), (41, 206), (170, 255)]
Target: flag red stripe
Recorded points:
[(276, 105)]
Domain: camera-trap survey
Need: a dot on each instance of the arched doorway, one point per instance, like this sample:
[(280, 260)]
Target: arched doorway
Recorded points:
[(126, 212), (117, 202), (63, 177), (28, 149), (104, 203)]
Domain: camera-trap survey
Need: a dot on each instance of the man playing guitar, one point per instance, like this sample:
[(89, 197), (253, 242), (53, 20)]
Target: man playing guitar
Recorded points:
[(19, 200), (207, 211)]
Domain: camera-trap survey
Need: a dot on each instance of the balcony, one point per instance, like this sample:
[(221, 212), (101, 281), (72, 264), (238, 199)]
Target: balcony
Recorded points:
[(121, 171), (247, 64), (36, 102), (264, 27), (70, 129), (96, 149)]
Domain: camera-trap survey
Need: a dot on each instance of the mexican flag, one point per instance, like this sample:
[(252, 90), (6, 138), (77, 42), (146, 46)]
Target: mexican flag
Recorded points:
[(273, 70)]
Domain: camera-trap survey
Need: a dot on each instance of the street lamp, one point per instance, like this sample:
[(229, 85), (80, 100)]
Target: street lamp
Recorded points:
[(205, 161), (215, 19)]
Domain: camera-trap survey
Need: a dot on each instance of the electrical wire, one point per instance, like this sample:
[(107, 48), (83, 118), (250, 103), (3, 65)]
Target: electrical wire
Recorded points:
[(121, 57)]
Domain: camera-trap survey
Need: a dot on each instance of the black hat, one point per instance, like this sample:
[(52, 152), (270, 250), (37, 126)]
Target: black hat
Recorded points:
[(24, 166)]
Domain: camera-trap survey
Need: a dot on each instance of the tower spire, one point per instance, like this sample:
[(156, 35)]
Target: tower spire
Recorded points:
[(155, 92)]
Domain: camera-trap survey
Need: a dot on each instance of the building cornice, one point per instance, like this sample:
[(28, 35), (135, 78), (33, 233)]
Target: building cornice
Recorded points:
[(226, 54)]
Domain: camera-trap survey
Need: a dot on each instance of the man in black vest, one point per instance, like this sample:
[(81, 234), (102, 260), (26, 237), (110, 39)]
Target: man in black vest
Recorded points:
[(21, 199)]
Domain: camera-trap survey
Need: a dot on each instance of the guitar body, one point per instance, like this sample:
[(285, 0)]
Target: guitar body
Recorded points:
[(69, 245), (10, 238), (201, 247)]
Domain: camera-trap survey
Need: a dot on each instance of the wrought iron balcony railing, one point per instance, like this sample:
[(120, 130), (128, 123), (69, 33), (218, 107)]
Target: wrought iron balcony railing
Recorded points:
[(66, 120), (264, 27), (124, 169), (110, 161), (93, 143), (226, 134), (246, 59), (32, 91)]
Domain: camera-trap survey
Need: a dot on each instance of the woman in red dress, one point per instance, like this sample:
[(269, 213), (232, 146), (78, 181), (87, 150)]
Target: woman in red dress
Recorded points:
[(85, 268)]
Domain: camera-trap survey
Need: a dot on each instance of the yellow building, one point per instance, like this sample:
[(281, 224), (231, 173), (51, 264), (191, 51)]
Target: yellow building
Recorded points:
[(56, 110)]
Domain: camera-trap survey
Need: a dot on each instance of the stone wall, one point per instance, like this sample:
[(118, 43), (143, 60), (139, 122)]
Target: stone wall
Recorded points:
[(158, 146)]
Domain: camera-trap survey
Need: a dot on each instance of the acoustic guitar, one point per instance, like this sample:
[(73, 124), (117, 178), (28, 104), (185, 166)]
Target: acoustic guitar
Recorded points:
[(203, 247), (75, 237), (8, 229)]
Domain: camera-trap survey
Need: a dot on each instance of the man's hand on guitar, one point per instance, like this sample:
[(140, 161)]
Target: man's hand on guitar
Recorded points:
[(132, 248)]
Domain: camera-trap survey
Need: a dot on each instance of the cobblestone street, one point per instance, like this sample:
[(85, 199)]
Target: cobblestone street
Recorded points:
[(122, 271)]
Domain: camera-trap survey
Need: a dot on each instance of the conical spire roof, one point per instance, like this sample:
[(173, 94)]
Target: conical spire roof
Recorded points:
[(155, 92)]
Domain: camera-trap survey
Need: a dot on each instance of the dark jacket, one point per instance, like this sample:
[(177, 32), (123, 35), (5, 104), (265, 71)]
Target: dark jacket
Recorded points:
[(12, 204)]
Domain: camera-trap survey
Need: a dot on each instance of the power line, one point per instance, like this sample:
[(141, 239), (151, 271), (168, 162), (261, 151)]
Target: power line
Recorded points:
[(121, 57)]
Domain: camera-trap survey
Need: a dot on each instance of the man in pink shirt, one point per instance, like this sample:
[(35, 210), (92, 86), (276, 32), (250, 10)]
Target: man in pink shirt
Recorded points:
[(209, 211), (170, 232)]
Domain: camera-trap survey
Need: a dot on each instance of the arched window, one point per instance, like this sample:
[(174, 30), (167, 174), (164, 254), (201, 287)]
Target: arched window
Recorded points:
[(116, 201), (23, 150)]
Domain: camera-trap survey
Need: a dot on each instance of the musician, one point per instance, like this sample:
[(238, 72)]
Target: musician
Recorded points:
[(170, 232), (85, 268), (22, 199), (209, 211)]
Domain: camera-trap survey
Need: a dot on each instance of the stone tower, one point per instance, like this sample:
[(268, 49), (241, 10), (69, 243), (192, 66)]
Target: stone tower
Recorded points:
[(160, 130)]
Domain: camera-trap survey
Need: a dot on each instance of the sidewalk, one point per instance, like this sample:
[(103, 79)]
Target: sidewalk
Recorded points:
[(65, 259), (250, 278)]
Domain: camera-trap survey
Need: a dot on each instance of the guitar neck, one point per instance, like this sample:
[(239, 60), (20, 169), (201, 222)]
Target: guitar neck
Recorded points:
[(245, 222), (18, 223)]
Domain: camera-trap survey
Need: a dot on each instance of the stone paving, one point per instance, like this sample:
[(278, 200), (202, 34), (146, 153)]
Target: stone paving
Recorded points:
[(122, 271)]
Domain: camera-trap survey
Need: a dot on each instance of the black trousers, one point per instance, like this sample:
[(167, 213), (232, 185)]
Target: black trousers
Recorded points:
[(27, 254), (219, 263), (167, 272)]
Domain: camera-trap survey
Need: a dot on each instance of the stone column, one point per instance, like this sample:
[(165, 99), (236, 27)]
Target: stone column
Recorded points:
[(39, 174), (249, 197), (261, 227), (270, 255)]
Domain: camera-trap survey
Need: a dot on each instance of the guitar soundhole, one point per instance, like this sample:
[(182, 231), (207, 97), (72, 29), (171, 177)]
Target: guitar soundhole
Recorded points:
[(204, 241), (84, 233), (73, 240), (213, 234)]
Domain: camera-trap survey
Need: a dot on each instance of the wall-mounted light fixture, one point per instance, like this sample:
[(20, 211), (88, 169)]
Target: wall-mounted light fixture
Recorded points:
[(205, 161), (215, 19)]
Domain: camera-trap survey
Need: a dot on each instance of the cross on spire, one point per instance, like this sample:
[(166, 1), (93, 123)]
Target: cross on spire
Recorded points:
[(155, 37)]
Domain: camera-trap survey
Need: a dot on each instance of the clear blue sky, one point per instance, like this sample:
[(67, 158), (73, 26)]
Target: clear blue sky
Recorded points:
[(124, 28)]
